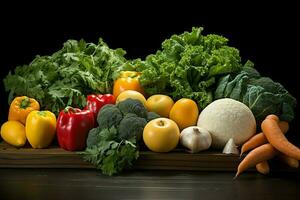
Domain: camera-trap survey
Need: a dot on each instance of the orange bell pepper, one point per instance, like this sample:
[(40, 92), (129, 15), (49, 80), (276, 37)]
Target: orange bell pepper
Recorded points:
[(128, 80), (20, 107)]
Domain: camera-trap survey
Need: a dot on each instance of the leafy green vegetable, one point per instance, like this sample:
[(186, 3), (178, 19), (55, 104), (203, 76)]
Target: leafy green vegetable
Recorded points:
[(67, 76), (262, 95), (111, 157), (187, 66)]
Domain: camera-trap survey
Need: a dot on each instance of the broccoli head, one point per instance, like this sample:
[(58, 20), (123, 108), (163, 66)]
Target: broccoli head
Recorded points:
[(108, 116), (133, 106), (130, 126)]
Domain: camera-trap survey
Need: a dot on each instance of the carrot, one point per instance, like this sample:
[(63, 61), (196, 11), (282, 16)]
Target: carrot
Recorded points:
[(272, 116), (257, 155), (263, 167), (276, 137), (260, 138), (292, 162)]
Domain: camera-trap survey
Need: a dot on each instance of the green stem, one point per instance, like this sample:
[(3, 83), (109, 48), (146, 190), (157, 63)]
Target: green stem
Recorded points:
[(42, 113), (25, 103), (69, 108)]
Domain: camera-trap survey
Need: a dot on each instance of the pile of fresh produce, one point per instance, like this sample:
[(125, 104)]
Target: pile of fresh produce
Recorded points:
[(193, 94)]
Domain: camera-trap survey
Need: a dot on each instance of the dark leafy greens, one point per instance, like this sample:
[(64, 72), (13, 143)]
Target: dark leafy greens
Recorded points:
[(67, 76), (261, 94)]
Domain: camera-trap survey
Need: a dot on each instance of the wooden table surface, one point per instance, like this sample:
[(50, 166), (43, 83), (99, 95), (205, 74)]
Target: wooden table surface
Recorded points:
[(73, 184)]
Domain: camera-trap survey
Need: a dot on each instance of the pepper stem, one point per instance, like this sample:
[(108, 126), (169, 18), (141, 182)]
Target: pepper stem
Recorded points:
[(69, 108), (42, 113), (25, 103)]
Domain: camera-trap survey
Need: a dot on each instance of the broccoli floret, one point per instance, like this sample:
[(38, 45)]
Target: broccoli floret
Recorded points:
[(133, 106), (131, 125), (108, 116), (93, 137), (96, 135), (152, 115)]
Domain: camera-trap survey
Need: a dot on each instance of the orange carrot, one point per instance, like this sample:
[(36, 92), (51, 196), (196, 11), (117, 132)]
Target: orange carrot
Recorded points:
[(275, 117), (257, 155), (276, 137), (263, 167), (260, 138), (292, 162)]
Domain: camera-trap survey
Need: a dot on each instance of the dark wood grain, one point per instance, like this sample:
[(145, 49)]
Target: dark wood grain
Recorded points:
[(55, 157), (78, 184)]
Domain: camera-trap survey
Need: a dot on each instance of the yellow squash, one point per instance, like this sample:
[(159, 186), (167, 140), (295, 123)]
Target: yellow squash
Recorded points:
[(20, 107), (40, 128)]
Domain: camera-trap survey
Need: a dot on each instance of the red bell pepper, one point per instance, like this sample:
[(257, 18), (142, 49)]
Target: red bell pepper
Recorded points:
[(96, 102), (73, 126)]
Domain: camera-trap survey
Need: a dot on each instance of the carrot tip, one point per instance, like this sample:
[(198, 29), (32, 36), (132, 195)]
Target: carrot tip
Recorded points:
[(236, 175)]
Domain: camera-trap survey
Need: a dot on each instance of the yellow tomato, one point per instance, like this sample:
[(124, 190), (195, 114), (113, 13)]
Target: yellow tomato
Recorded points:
[(161, 135), (13, 132), (160, 104), (128, 80), (40, 128), (185, 113), (131, 94)]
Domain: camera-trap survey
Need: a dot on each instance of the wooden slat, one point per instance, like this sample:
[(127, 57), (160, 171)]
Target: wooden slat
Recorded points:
[(55, 157)]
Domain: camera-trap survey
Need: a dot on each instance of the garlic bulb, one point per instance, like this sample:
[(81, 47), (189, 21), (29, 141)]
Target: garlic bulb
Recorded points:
[(195, 139), (231, 148)]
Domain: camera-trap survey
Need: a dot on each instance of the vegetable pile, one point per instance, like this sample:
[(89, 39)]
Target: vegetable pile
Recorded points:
[(190, 65), (108, 106)]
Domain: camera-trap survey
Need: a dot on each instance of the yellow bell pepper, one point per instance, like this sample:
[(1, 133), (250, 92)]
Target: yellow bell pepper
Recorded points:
[(128, 80), (21, 107), (40, 128)]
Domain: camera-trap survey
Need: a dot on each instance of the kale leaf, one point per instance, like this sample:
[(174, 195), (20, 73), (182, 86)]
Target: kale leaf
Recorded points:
[(261, 94)]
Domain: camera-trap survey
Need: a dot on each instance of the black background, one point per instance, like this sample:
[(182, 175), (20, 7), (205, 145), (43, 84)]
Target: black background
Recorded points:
[(266, 33)]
